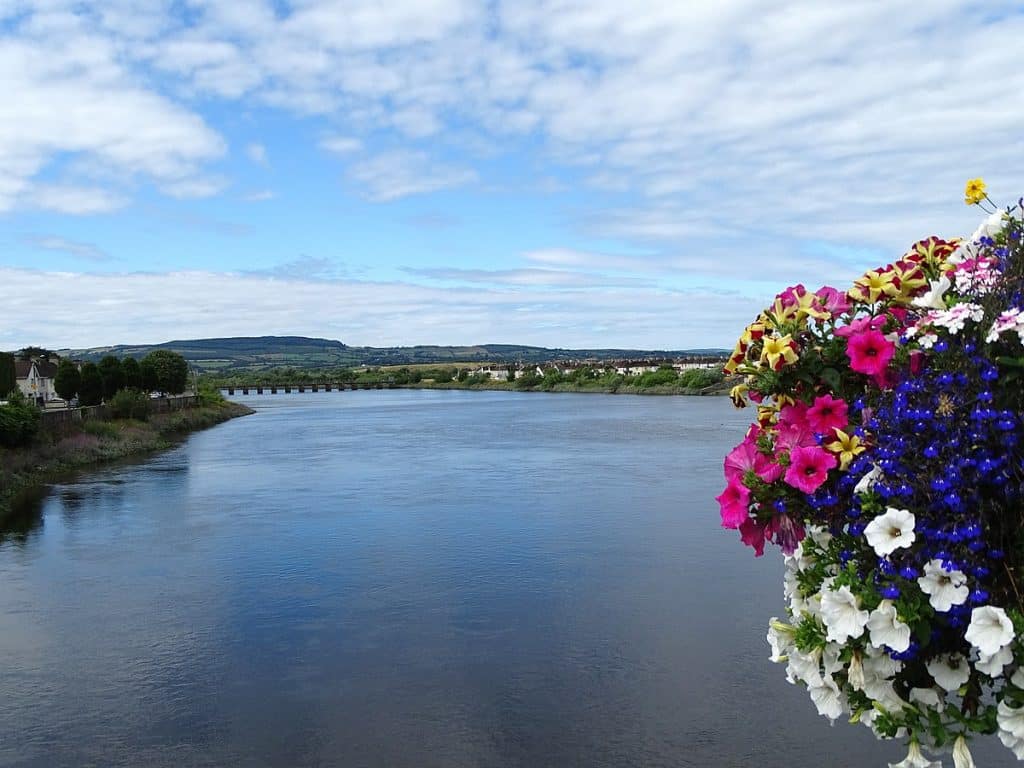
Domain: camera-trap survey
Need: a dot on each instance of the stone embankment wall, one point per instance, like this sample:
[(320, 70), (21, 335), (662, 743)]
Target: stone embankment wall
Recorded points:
[(65, 418)]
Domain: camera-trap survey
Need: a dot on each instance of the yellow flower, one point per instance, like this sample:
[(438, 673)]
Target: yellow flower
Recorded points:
[(974, 192), (737, 394), (874, 285), (778, 352), (847, 446)]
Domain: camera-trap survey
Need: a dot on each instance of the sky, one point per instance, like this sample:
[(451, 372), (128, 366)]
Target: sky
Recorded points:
[(573, 173)]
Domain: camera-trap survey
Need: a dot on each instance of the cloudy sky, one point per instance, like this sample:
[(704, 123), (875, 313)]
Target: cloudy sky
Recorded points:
[(560, 172)]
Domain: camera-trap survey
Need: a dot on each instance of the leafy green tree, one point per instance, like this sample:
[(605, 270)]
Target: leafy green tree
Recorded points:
[(19, 421), (166, 371), (30, 353), (129, 404), (68, 380), (512, 372), (463, 374), (90, 388), (113, 376), (8, 378), (131, 373)]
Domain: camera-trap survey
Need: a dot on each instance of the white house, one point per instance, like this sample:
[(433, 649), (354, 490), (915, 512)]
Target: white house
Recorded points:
[(496, 374), (35, 379)]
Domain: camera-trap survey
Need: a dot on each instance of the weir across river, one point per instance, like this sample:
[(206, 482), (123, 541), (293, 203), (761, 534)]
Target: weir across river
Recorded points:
[(273, 389)]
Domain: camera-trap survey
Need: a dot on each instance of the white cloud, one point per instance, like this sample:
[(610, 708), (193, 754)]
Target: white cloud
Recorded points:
[(535, 278), (150, 307), (257, 153), (259, 196), (400, 173), (68, 94), (76, 248), (341, 145)]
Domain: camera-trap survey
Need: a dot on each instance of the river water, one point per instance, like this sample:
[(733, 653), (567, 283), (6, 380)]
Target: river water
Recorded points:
[(408, 578)]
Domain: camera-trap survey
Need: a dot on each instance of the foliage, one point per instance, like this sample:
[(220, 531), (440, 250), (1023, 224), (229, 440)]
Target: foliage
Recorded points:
[(131, 373), (100, 428), (113, 376), (164, 371), (887, 462), (68, 380), (41, 353), (19, 421), (8, 377), (90, 386), (129, 404)]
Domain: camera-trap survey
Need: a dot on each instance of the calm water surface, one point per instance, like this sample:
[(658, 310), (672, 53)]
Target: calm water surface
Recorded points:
[(408, 578)]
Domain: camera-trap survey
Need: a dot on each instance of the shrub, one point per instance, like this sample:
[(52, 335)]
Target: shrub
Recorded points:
[(129, 404), (19, 421), (98, 428)]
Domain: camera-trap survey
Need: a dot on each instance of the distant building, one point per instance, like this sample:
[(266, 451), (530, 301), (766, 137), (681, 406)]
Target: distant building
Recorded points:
[(35, 379)]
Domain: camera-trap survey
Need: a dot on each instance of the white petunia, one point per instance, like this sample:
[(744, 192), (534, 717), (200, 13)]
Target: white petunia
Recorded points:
[(992, 665), (828, 699), (961, 754), (892, 530), (990, 629), (927, 697), (915, 759), (1011, 728), (804, 667), (990, 227), (780, 638), (949, 672), (933, 298), (842, 617), (886, 628), (867, 482), (944, 588)]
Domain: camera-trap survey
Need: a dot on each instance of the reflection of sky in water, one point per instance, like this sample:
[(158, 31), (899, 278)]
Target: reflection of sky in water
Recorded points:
[(408, 578)]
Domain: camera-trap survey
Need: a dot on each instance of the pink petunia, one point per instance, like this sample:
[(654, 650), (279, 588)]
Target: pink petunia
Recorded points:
[(793, 415), (808, 467), (767, 469), (870, 352), (860, 325), (832, 301), (740, 460), (735, 504), (827, 413), (752, 534), (792, 436)]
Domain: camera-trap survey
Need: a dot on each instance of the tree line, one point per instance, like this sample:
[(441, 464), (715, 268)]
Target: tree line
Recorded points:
[(159, 371)]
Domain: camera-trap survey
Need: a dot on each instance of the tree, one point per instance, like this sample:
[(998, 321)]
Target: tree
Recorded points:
[(30, 353), (131, 373), (90, 388), (512, 372), (68, 380), (8, 378), (113, 376), (164, 371)]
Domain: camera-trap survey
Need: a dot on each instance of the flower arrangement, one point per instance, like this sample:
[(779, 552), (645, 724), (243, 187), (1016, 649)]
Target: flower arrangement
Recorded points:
[(887, 463)]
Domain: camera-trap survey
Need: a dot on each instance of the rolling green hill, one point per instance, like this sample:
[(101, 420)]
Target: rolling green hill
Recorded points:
[(239, 354)]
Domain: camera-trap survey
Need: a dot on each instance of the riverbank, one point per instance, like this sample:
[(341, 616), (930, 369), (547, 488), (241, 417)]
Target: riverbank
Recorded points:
[(95, 442)]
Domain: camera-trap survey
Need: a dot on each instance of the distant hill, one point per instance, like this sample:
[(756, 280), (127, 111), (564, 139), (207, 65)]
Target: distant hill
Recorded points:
[(239, 354)]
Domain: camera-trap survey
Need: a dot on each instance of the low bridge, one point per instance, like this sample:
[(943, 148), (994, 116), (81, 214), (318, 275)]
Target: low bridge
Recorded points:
[(273, 389)]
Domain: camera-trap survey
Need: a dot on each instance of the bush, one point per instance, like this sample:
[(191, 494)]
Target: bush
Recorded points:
[(129, 404), (98, 428), (19, 421)]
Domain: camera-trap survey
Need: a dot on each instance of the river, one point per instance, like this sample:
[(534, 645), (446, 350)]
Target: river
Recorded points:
[(408, 578)]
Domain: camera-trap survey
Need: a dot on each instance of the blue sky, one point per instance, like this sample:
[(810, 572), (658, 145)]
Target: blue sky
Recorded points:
[(563, 173)]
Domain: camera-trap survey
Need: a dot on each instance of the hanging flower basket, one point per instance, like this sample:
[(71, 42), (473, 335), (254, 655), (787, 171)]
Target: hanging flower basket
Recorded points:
[(887, 463)]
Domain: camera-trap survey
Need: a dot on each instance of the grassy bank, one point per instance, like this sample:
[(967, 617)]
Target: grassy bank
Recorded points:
[(95, 442)]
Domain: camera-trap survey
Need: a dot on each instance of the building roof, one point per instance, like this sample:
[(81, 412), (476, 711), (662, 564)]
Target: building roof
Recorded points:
[(44, 369), (47, 369)]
